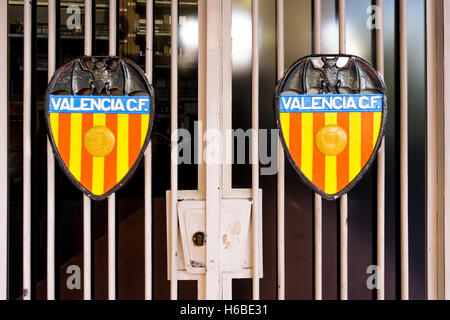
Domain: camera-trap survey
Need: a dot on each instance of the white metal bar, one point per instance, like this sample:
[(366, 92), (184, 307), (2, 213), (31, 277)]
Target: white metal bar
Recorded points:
[(442, 250), (342, 27), (381, 165), (404, 150), (281, 162), (227, 287), (86, 248), (112, 27), (317, 197), (88, 27), (86, 201), (173, 164), (445, 184), (432, 151), (148, 158), (51, 161), (112, 198), (343, 247), (343, 212), (438, 53), (27, 151), (201, 285), (255, 157), (214, 102), (4, 151), (201, 94), (318, 247), (317, 25), (112, 247), (227, 80)]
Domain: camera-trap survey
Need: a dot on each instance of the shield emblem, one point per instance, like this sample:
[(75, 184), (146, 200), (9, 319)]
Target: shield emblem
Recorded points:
[(331, 112), (99, 112)]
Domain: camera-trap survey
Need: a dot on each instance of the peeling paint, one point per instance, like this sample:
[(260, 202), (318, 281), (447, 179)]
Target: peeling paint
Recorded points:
[(226, 242), (196, 264)]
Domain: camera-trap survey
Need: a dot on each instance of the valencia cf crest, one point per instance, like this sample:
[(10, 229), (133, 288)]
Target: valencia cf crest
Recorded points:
[(331, 112), (99, 112)]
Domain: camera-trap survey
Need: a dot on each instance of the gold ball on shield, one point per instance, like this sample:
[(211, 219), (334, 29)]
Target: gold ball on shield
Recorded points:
[(99, 141), (331, 140)]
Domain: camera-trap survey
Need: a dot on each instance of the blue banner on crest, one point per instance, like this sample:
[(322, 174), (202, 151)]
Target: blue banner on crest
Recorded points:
[(312, 103), (99, 104)]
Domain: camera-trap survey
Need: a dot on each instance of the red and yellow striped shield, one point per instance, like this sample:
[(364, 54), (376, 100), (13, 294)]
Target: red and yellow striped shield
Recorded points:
[(331, 139), (331, 174), (99, 139), (99, 175)]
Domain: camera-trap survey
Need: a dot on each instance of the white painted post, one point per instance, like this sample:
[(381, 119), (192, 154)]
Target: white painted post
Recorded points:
[(438, 153), (51, 161), (86, 201), (173, 164), (380, 167), (404, 243), (112, 198), (213, 169), (4, 28), (255, 153), (148, 158), (317, 197), (281, 164), (343, 226), (27, 150)]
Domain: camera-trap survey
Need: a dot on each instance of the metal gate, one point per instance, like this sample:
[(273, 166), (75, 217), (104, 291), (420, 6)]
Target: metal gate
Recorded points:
[(216, 195)]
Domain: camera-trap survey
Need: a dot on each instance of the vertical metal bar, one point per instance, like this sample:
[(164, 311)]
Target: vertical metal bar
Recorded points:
[(86, 200), (317, 25), (201, 285), (317, 197), (173, 164), (112, 198), (112, 247), (86, 248), (343, 247), (51, 161), (343, 212), (112, 27), (438, 164), (227, 71), (201, 93), (227, 287), (318, 246), (255, 158), (88, 27), (444, 216), (381, 164), (214, 78), (27, 151), (281, 162), (432, 152), (404, 150), (342, 27), (148, 158), (4, 151)]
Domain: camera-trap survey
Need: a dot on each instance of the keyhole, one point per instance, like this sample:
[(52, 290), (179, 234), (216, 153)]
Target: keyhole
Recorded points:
[(199, 239)]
